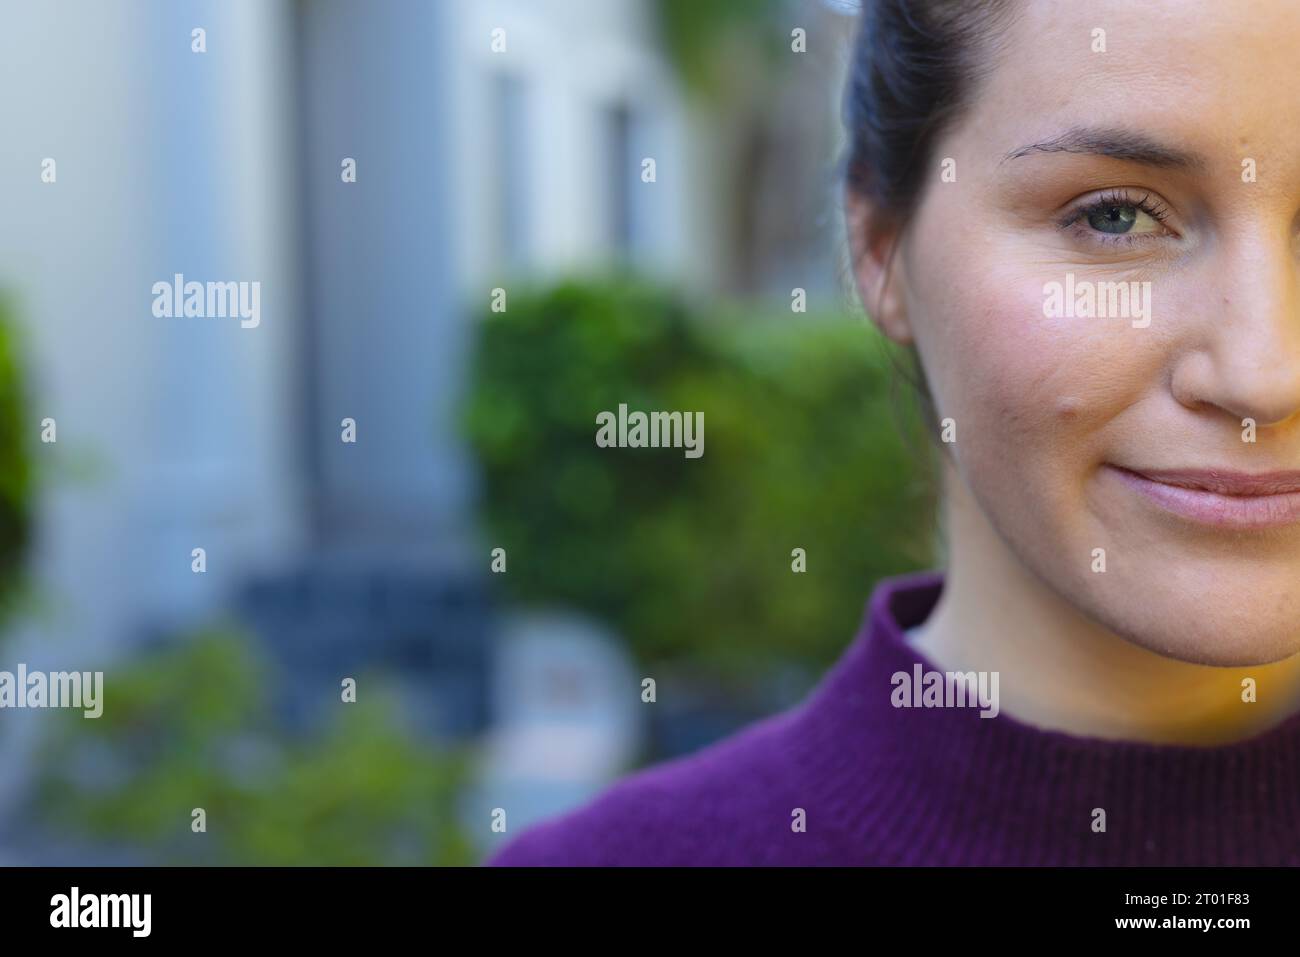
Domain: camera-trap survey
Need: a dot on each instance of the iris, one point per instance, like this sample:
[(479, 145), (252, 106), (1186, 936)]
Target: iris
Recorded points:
[(1113, 219)]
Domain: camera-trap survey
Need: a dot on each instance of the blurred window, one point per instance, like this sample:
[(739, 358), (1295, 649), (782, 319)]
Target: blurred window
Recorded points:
[(513, 155), (624, 176)]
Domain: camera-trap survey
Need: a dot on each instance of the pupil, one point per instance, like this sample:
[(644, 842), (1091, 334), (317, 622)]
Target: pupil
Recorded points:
[(1113, 219)]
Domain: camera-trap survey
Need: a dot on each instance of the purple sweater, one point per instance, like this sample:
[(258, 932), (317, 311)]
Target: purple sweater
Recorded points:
[(879, 784)]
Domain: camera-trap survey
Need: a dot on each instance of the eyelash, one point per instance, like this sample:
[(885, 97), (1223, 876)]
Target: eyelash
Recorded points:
[(1146, 203)]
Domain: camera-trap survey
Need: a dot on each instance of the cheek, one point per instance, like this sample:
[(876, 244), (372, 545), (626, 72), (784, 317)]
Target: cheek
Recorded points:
[(1038, 403), (1019, 385)]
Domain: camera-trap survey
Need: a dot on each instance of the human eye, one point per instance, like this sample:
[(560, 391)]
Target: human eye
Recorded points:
[(1118, 216)]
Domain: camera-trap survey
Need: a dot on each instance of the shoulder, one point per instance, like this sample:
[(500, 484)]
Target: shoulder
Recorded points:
[(723, 804)]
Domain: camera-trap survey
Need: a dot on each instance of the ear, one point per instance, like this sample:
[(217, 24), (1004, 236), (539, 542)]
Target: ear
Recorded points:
[(877, 270)]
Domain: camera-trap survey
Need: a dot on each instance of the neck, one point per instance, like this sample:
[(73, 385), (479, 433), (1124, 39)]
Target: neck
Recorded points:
[(1063, 671)]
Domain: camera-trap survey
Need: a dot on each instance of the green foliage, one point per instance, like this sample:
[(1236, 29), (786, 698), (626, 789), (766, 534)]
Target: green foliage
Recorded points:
[(189, 728), (704, 37), (15, 466), (690, 559)]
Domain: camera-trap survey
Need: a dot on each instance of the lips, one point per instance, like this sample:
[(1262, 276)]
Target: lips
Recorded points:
[(1220, 497)]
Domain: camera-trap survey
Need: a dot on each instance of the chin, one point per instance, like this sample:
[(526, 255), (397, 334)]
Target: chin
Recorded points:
[(1226, 624)]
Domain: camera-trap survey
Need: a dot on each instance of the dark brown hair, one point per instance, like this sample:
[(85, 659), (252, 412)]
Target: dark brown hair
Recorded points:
[(915, 65)]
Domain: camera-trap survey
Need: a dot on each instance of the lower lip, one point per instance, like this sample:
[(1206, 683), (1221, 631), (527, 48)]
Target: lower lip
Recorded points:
[(1212, 508)]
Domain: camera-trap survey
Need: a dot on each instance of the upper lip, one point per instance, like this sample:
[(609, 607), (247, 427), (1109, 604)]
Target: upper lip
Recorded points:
[(1224, 481)]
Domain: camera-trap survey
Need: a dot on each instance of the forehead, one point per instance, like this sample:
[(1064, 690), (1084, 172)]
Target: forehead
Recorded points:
[(1212, 77)]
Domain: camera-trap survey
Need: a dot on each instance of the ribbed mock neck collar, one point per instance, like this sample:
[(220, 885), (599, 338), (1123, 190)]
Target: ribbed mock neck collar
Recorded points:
[(946, 786)]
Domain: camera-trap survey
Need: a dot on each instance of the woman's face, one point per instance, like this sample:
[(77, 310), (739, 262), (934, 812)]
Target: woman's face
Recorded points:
[(1163, 155)]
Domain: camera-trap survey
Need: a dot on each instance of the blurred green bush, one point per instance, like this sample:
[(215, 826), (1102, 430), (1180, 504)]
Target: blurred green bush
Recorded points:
[(190, 728), (694, 31), (15, 465), (690, 559)]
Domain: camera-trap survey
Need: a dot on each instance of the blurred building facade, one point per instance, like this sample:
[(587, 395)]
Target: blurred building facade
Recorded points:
[(494, 142), (473, 169), (220, 155)]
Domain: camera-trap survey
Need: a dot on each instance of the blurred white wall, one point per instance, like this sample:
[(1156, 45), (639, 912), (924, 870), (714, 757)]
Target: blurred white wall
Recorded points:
[(172, 433), (167, 161)]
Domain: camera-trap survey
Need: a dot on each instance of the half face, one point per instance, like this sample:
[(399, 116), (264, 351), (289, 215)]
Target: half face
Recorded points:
[(1104, 295)]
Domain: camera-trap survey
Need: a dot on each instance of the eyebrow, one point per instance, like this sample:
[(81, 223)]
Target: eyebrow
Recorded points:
[(1116, 144)]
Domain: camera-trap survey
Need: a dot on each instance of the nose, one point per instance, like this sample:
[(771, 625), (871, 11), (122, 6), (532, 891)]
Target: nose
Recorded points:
[(1247, 362)]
